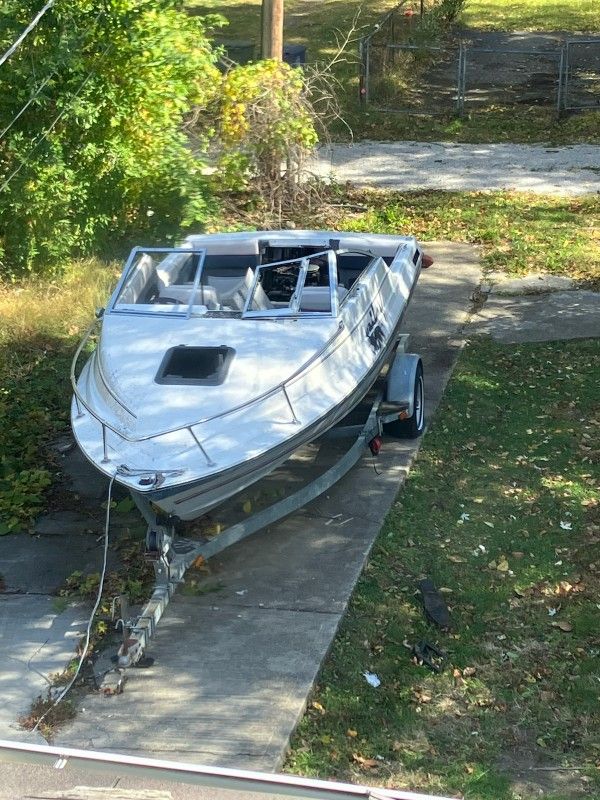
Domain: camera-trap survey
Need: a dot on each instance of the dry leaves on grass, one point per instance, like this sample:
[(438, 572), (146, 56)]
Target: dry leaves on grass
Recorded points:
[(369, 763)]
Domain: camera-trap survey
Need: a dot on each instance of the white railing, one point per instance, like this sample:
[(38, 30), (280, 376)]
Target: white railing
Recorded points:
[(80, 402)]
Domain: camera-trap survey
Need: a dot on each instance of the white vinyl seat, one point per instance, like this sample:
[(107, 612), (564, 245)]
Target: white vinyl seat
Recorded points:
[(205, 295), (316, 298)]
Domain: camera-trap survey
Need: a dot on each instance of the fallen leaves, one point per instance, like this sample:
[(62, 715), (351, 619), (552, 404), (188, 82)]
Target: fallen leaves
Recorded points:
[(421, 696), (563, 625), (501, 565), (369, 763)]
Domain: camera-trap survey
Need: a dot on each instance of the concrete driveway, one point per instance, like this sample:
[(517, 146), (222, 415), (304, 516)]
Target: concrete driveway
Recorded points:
[(232, 669), (450, 166)]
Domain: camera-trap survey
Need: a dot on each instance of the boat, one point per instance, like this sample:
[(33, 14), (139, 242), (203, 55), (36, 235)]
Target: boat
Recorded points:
[(219, 358)]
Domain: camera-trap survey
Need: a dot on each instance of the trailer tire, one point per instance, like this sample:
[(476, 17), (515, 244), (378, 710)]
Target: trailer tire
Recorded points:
[(414, 426)]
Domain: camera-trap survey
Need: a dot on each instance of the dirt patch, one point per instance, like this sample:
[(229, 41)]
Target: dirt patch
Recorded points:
[(533, 773)]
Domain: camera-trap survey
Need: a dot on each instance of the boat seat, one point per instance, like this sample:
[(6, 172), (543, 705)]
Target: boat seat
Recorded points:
[(205, 295), (139, 286), (316, 298), (232, 290)]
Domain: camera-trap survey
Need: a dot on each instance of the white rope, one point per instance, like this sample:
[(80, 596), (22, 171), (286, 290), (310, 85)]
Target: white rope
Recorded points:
[(88, 634), (26, 32)]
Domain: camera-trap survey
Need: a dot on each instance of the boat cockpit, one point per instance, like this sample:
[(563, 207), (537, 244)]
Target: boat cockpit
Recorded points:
[(272, 279)]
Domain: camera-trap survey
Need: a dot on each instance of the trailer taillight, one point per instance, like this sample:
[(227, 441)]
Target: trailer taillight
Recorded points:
[(375, 445)]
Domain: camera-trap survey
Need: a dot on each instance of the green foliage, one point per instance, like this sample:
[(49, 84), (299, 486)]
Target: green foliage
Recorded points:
[(264, 119), (21, 494), (32, 406), (437, 20), (80, 585), (121, 76)]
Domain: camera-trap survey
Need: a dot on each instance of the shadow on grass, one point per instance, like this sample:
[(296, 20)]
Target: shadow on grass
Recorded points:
[(501, 511)]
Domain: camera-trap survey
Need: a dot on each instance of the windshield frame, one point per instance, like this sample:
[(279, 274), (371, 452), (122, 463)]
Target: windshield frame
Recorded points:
[(128, 271), (293, 308)]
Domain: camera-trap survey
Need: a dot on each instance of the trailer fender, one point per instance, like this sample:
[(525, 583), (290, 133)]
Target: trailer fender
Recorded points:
[(401, 380)]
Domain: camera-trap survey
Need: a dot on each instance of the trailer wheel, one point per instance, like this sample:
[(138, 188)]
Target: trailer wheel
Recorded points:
[(414, 426)]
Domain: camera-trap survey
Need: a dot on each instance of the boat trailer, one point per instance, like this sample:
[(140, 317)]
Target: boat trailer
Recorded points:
[(396, 400)]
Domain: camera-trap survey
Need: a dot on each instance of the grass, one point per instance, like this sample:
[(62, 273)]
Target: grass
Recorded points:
[(533, 15), (41, 324), (518, 232), (317, 25), (502, 511)]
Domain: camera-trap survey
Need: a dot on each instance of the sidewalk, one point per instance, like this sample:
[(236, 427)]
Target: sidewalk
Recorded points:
[(572, 170)]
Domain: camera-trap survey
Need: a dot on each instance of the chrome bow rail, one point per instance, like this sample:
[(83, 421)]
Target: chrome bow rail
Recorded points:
[(81, 403)]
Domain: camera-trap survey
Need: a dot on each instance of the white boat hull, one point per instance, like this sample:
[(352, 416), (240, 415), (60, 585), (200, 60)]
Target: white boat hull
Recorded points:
[(299, 377)]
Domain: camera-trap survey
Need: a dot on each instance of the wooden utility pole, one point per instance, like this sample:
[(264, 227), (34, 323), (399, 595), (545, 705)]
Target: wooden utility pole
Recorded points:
[(272, 29)]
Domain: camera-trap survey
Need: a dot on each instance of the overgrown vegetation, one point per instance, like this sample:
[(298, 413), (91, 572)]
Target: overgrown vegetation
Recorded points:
[(266, 118), (502, 511), (51, 716), (40, 325), (102, 154)]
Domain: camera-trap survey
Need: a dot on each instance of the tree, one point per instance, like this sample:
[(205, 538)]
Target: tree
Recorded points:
[(100, 155)]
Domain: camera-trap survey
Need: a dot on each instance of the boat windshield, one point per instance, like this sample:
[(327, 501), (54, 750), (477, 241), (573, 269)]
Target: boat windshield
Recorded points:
[(161, 281), (301, 286), (188, 282)]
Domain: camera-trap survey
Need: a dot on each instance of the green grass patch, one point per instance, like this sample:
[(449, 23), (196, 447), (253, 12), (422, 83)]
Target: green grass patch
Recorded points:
[(532, 15), (502, 511), (518, 232), (524, 125)]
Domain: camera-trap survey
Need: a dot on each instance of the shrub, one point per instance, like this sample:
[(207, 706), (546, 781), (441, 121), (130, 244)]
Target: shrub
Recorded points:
[(100, 154), (266, 127)]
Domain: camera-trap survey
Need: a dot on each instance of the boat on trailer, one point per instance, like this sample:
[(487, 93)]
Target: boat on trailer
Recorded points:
[(220, 358)]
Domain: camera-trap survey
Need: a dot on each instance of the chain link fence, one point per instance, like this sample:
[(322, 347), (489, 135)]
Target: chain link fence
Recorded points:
[(401, 72), (580, 86)]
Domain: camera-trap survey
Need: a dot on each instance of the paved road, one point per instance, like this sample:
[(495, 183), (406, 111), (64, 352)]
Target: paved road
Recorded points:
[(570, 170)]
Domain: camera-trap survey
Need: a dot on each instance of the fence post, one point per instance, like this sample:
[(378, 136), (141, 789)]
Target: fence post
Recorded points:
[(559, 91), (367, 68), (460, 79)]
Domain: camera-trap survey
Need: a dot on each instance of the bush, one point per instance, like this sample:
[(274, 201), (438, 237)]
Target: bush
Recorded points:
[(266, 126), (100, 154)]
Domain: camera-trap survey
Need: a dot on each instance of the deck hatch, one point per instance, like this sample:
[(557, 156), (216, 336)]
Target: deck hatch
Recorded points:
[(197, 366)]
